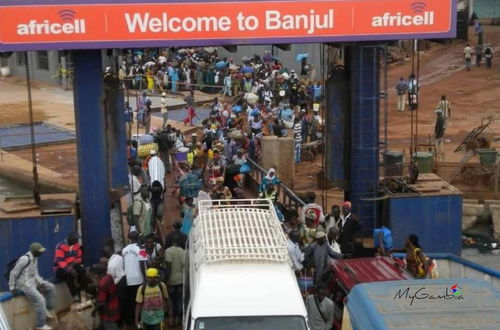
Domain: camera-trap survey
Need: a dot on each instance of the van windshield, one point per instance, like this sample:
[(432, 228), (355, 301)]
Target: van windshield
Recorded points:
[(252, 323)]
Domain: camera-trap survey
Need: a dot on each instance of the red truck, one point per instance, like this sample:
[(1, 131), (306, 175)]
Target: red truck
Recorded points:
[(346, 273)]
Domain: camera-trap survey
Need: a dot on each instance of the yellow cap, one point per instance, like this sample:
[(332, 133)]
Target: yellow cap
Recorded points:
[(152, 272)]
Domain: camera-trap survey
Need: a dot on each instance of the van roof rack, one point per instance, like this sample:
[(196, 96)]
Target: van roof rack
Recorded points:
[(238, 230)]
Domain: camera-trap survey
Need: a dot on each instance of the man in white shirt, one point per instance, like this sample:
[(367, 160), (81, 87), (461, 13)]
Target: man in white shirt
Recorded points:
[(24, 277), (133, 256), (348, 225), (333, 234), (346, 214), (164, 110), (115, 264), (115, 268), (468, 56), (319, 310), (332, 218), (294, 252)]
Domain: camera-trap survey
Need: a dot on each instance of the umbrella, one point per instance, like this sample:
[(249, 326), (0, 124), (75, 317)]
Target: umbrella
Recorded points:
[(300, 57), (209, 50), (246, 69), (220, 65)]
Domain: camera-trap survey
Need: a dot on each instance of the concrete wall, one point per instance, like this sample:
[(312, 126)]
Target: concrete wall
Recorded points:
[(278, 153), (286, 57), (52, 75), (486, 8), (17, 67)]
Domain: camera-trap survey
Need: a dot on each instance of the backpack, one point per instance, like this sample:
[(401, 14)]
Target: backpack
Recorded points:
[(143, 291), (10, 266)]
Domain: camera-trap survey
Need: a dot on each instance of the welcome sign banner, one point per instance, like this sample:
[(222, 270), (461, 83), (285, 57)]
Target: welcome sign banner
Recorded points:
[(35, 25)]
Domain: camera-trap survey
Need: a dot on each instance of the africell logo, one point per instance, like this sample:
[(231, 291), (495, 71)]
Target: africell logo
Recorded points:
[(420, 17), (67, 25)]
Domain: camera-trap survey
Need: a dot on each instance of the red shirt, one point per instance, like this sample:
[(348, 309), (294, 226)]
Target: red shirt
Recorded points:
[(106, 296), (67, 255)]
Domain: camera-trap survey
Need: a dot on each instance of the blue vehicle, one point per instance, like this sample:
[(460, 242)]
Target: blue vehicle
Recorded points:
[(423, 304), (349, 274)]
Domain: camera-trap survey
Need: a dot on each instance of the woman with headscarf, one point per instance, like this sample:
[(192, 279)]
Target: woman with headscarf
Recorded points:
[(269, 178), (417, 263)]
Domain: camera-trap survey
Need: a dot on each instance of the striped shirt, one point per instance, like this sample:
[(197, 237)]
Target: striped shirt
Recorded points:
[(297, 132), (444, 105), (66, 255)]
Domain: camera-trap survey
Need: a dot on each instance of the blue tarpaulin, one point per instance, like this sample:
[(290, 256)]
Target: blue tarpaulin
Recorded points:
[(19, 135)]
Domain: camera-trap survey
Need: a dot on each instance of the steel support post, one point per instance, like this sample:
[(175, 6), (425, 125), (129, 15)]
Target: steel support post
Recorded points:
[(365, 98), (93, 168)]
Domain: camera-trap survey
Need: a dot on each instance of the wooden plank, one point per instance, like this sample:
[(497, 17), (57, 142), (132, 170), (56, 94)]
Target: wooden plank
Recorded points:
[(19, 206), (425, 188)]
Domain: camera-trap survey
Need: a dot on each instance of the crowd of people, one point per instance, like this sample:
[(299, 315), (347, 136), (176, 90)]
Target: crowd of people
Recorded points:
[(136, 287), (258, 96)]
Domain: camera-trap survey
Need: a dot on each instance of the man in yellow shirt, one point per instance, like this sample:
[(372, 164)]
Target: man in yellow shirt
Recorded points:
[(153, 304)]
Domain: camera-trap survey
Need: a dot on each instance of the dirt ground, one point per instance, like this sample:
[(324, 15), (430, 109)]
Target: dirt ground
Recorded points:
[(61, 158), (473, 95), (50, 103)]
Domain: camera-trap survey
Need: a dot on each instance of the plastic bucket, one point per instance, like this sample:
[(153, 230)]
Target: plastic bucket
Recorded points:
[(424, 161), (487, 156), (181, 156), (393, 163), (305, 283)]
